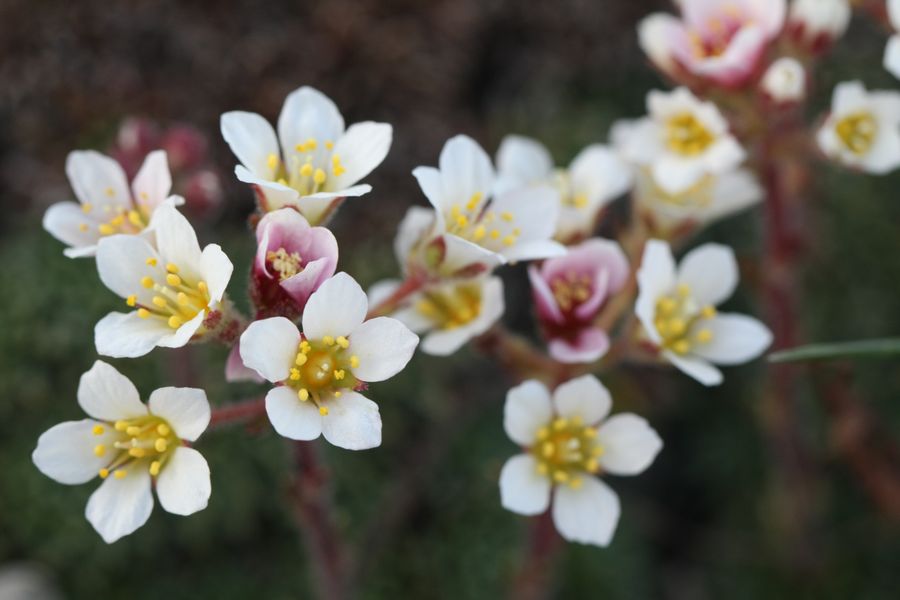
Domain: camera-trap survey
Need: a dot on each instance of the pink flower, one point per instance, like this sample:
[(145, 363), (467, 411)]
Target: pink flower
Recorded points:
[(717, 40), (292, 261), (569, 293)]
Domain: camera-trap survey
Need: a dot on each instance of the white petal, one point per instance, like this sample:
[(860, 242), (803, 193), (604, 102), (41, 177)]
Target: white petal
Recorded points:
[(583, 397), (629, 444), (292, 417), (177, 241), (384, 346), (121, 335), (186, 410), (65, 452), (655, 277), (460, 253), (107, 395), (735, 339), (381, 291), (64, 221), (527, 409), (181, 336), (522, 489), (711, 273), (523, 160), (274, 195), (120, 506), (269, 347), (337, 308), (183, 485), (308, 114), (432, 186), (97, 180), (352, 422), (361, 149), (466, 170), (416, 223), (252, 140), (892, 56), (217, 270), (152, 184), (122, 264), (587, 515), (599, 174), (534, 250), (695, 367)]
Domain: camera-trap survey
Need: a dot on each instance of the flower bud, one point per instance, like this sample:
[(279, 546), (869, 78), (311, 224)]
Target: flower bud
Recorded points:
[(815, 24), (784, 81)]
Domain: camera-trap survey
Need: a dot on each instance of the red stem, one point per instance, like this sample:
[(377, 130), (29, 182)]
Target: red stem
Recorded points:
[(239, 411), (407, 288), (534, 578)]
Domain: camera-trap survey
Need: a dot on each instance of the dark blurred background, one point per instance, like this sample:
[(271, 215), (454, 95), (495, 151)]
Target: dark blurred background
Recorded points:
[(706, 521)]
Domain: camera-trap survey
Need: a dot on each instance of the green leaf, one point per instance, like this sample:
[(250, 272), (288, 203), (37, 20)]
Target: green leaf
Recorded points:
[(856, 349)]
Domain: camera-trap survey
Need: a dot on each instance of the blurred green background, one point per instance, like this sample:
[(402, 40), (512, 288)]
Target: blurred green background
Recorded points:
[(706, 521)]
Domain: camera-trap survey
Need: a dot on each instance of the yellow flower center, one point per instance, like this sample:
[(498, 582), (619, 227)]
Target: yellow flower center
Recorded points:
[(114, 219), (309, 169), (566, 449), (678, 321), (686, 135), (176, 300), (449, 309), (471, 222), (286, 265), (857, 131), (322, 369), (698, 195), (571, 290), (142, 443)]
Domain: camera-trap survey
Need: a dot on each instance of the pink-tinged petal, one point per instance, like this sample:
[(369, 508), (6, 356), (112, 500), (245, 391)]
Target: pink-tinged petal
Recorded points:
[(185, 409), (291, 417), (353, 422), (337, 308), (120, 506), (122, 335), (527, 409), (588, 514), (588, 345), (522, 489), (695, 367), (65, 452), (629, 444), (384, 346), (269, 347), (183, 486), (152, 184), (734, 66), (657, 34), (544, 300), (302, 285), (107, 395), (416, 223), (236, 371), (583, 397), (735, 339)]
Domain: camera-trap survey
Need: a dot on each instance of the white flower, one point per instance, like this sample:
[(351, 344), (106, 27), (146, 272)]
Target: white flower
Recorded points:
[(784, 81), (681, 141), (320, 371), (863, 129), (819, 22), (107, 204), (892, 50), (677, 309), (594, 178), (450, 313), (132, 447), (477, 229), (712, 198), (568, 441), (317, 161), (173, 286)]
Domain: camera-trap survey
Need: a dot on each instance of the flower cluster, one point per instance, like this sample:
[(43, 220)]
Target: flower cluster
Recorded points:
[(603, 278)]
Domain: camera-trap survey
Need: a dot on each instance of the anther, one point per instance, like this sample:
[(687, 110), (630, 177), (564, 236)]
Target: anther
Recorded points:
[(131, 300), (154, 468), (303, 394), (151, 262), (143, 313), (171, 268), (147, 281), (133, 430), (173, 279), (103, 473), (328, 340), (120, 474), (163, 429), (342, 342), (323, 411), (161, 445), (99, 450), (98, 430)]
